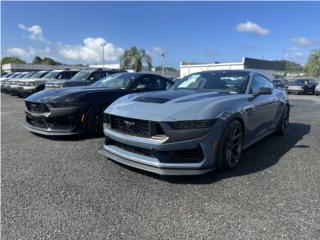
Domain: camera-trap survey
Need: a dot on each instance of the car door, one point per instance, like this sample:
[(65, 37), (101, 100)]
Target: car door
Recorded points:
[(261, 109)]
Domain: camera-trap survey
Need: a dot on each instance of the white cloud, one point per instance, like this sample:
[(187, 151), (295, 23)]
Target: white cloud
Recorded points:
[(91, 50), (157, 51), (252, 27), (35, 32), (30, 52), (302, 41), (294, 54)]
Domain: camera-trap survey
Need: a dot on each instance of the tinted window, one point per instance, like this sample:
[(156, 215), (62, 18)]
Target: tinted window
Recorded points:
[(258, 82), (66, 75), (151, 82), (95, 76), (116, 81), (220, 81)]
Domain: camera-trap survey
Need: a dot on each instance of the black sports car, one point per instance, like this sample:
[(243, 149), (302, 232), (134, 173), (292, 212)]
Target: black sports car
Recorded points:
[(75, 110)]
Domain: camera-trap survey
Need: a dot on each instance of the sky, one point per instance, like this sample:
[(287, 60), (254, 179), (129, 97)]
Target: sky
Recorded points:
[(203, 32)]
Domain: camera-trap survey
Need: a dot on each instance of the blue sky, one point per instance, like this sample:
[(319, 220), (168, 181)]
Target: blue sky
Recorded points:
[(72, 32)]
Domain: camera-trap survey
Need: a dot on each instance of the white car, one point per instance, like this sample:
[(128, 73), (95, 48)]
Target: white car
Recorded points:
[(36, 84)]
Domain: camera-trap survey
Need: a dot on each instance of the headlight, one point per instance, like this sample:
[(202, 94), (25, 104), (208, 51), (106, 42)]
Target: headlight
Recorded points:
[(65, 105), (197, 124), (30, 84), (106, 121)]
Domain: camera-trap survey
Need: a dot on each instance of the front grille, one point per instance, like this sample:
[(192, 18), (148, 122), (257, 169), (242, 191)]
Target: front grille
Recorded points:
[(131, 126), (194, 155), (36, 107), (129, 148)]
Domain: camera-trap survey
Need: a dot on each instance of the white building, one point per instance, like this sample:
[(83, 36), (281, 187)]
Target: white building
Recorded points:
[(266, 67), (109, 65), (12, 67)]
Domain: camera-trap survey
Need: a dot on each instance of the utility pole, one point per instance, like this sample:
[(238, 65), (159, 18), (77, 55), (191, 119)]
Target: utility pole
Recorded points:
[(102, 45), (162, 60)]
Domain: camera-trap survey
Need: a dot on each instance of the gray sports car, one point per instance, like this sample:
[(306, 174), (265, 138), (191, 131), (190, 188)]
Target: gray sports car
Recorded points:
[(202, 124)]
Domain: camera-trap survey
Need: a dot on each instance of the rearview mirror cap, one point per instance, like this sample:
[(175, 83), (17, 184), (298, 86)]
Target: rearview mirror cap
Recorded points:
[(263, 91)]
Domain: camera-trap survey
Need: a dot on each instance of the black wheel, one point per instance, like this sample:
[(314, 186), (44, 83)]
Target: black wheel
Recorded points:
[(230, 148), (284, 122), (95, 121)]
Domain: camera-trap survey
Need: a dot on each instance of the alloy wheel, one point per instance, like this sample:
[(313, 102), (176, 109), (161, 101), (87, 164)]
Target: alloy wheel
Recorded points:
[(233, 144)]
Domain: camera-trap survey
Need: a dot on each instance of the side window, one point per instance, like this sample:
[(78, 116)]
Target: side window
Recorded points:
[(95, 76), (259, 82), (64, 75), (151, 83), (73, 73)]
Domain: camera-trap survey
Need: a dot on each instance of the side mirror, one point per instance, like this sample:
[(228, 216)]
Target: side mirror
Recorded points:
[(263, 91), (141, 87)]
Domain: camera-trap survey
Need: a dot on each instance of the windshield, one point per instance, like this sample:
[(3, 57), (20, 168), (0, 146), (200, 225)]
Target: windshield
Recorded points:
[(28, 75), (116, 81), (39, 74), (301, 82), (20, 75), (52, 74), (82, 75), (219, 81)]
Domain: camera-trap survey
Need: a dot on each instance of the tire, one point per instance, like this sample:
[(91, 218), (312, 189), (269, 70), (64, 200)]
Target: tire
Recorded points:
[(284, 122), (95, 121), (230, 148)]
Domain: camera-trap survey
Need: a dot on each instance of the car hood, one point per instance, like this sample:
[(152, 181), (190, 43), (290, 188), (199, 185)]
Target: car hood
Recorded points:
[(69, 94), (174, 105)]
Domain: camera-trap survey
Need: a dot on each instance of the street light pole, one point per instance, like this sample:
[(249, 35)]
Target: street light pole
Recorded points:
[(162, 59), (102, 45)]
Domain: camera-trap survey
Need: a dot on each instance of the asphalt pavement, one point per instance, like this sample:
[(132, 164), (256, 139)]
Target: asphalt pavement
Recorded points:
[(61, 188)]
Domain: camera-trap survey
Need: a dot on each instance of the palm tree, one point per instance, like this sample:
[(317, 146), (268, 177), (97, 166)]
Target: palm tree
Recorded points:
[(134, 58)]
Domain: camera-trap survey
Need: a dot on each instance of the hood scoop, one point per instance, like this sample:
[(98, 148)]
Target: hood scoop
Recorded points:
[(147, 99)]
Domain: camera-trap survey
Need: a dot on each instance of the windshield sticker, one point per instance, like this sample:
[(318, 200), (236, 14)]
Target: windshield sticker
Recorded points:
[(191, 79)]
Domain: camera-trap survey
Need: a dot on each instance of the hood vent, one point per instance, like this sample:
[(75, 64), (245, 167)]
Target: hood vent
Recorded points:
[(152, 99)]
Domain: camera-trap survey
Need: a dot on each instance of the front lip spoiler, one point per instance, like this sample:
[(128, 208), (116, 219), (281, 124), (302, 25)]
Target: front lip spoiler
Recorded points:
[(48, 132), (157, 170)]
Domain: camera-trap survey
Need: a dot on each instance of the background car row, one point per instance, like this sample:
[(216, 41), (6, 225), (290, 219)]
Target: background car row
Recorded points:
[(26, 83)]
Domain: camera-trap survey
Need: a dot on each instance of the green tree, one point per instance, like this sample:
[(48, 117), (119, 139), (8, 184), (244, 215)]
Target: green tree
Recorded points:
[(134, 58), (6, 60), (312, 67), (37, 60), (292, 67), (49, 61)]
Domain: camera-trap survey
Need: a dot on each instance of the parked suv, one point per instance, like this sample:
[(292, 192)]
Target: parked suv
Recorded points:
[(12, 81), (33, 85), (83, 78)]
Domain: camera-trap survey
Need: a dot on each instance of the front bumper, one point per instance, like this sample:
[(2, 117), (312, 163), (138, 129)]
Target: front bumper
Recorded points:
[(48, 131), (24, 89), (131, 161), (296, 91), (159, 157), (57, 122)]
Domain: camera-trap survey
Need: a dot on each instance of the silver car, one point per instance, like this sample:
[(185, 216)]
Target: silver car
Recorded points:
[(202, 124)]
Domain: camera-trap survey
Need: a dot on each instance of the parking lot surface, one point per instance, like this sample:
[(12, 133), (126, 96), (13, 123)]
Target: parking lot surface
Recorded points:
[(61, 188)]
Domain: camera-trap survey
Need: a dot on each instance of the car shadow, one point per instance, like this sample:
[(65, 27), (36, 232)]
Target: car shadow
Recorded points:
[(260, 156)]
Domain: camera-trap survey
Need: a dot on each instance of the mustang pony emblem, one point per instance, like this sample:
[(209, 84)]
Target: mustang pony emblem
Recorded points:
[(129, 124)]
